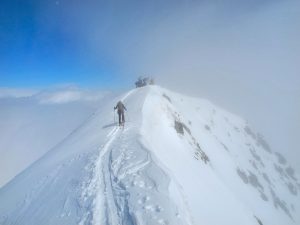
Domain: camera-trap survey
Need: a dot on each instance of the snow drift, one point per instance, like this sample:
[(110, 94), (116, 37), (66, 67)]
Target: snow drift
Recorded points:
[(179, 160)]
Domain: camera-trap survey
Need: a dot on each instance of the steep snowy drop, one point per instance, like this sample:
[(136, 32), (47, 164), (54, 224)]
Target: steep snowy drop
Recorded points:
[(177, 161), (31, 125)]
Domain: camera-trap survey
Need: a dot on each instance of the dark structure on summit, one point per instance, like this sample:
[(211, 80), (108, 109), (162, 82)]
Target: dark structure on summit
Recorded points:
[(141, 82)]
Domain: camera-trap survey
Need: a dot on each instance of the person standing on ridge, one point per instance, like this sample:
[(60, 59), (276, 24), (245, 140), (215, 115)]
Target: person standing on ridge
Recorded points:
[(121, 107)]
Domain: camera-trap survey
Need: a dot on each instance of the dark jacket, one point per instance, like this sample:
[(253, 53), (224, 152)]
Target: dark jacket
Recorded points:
[(120, 106)]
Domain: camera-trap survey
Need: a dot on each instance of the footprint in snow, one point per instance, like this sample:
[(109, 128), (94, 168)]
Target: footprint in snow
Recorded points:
[(141, 184), (144, 200), (158, 208)]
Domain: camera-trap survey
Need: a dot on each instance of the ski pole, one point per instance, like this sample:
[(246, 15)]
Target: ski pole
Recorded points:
[(114, 116), (127, 115)]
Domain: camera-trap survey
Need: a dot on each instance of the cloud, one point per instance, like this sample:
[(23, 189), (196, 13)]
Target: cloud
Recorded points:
[(68, 95), (243, 55), (16, 92), (61, 94)]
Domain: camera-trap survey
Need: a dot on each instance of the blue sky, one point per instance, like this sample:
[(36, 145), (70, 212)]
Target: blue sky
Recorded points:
[(241, 54), (38, 50), (56, 41), (94, 42)]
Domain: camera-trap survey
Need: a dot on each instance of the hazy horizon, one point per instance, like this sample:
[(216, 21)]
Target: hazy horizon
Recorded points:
[(242, 55)]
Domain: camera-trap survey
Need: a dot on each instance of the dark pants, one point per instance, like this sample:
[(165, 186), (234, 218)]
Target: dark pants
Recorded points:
[(121, 117)]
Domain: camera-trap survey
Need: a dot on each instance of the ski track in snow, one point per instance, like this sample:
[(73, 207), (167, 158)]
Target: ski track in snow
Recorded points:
[(125, 186), (101, 200), (100, 179)]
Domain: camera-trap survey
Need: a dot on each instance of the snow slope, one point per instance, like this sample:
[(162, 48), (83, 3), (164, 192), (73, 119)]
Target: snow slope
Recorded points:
[(179, 160), (31, 125)]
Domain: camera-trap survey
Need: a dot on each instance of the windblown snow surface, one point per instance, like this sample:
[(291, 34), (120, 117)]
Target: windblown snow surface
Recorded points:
[(177, 161)]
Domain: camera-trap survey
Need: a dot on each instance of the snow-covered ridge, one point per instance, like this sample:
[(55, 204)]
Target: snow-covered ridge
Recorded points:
[(238, 156), (179, 160)]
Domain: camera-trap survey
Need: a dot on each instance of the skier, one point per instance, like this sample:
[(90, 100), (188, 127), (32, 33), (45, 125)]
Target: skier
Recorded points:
[(121, 107)]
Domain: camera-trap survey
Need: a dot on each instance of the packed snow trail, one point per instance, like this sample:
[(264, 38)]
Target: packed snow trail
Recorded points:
[(129, 187)]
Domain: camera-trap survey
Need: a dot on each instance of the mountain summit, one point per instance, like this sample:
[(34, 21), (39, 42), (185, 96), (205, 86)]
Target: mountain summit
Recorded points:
[(177, 161)]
